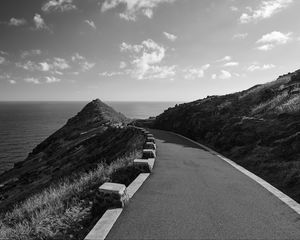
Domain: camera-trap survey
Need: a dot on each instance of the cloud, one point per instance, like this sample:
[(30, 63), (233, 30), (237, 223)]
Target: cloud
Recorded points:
[(162, 72), (52, 79), (111, 74), (29, 65), (39, 22), (275, 37), (240, 36), (132, 8), (29, 53), (265, 47), (123, 65), (145, 60), (265, 10), (255, 67), (32, 80), (234, 9), (58, 5), (124, 47), (60, 64), (55, 65), (170, 36), (17, 22), (82, 62), (91, 24), (45, 66), (12, 81), (272, 39), (225, 59), (224, 75), (194, 73), (2, 60), (231, 64), (3, 52)]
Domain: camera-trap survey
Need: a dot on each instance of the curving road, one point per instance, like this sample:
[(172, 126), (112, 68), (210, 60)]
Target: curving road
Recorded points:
[(193, 194)]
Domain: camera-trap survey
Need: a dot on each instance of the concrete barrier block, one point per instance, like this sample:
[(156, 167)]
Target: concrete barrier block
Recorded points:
[(148, 153), (150, 139), (104, 225), (145, 165), (149, 135), (150, 145), (112, 195)]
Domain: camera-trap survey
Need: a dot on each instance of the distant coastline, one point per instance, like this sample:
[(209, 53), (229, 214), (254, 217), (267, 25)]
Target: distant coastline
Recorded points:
[(25, 124)]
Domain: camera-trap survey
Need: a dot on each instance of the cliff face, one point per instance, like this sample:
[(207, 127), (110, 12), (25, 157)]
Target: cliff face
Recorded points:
[(96, 134), (259, 128)]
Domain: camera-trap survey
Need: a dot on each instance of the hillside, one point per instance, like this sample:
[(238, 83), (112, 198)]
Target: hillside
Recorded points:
[(97, 134), (258, 128)]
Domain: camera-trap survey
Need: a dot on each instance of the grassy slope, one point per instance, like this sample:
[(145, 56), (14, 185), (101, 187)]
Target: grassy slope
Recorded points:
[(259, 128), (62, 211), (50, 194)]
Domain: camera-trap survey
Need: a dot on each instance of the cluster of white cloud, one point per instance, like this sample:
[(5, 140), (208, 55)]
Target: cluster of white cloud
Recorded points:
[(35, 80), (59, 5), (17, 22), (56, 65), (52, 79), (111, 74), (91, 24), (145, 60), (133, 7), (39, 22), (195, 73), (11, 81), (223, 75), (224, 59), (240, 36), (32, 80), (231, 64), (30, 53), (255, 67), (82, 63), (270, 40), (170, 36), (265, 10), (53, 67), (2, 60)]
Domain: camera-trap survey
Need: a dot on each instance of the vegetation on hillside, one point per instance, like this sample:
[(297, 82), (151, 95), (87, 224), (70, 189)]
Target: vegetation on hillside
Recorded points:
[(93, 136), (259, 128), (50, 195), (64, 210)]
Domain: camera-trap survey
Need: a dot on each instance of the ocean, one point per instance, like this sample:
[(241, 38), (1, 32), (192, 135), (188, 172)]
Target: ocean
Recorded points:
[(23, 125)]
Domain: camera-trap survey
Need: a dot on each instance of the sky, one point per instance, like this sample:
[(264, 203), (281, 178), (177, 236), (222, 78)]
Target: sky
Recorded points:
[(143, 50)]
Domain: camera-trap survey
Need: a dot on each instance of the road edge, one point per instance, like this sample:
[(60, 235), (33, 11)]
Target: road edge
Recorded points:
[(276, 192)]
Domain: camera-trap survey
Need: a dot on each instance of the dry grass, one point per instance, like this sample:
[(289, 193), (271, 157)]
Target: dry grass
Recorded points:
[(255, 90), (58, 210), (271, 104), (291, 106)]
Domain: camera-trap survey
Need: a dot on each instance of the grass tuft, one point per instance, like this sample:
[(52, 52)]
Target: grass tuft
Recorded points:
[(62, 211)]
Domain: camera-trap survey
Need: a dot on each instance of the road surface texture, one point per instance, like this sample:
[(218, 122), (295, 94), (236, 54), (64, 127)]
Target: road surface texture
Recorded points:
[(193, 194)]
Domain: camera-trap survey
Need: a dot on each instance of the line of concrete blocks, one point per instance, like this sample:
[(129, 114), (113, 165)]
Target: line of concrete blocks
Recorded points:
[(116, 195), (146, 164)]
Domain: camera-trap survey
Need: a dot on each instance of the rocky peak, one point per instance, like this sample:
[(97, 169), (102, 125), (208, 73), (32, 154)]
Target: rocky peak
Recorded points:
[(97, 112)]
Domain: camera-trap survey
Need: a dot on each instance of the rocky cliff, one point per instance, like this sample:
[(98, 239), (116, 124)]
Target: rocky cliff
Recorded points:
[(97, 134), (259, 128)]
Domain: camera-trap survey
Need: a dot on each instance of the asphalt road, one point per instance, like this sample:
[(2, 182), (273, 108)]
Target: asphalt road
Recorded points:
[(193, 194)]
